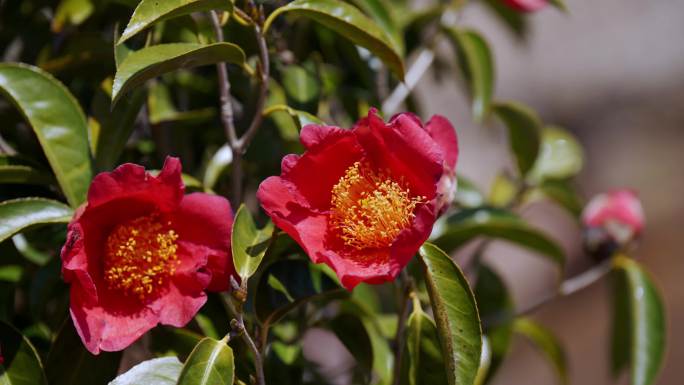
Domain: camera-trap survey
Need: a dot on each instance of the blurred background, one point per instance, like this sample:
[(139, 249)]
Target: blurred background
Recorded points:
[(611, 72)]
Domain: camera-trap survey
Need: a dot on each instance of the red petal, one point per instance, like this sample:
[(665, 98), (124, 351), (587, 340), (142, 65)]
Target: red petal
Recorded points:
[(403, 147), (132, 181), (313, 135), (206, 220), (444, 134)]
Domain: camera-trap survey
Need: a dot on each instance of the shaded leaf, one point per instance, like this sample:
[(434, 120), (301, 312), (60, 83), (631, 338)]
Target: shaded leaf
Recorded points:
[(19, 214), (69, 363), (458, 323), (165, 341), (477, 64), (157, 371), (379, 10), (425, 358), (300, 84), (497, 223), (149, 12), (349, 22), (547, 343), (150, 62), (21, 364), (15, 170), (58, 122), (524, 132), (210, 363), (559, 191), (298, 117), (248, 243), (352, 333), (646, 321)]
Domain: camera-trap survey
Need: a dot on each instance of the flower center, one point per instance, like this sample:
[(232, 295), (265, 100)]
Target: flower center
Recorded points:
[(140, 256), (369, 208)]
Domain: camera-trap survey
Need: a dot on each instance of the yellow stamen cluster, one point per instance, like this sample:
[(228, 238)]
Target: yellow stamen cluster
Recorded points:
[(140, 256), (369, 208)]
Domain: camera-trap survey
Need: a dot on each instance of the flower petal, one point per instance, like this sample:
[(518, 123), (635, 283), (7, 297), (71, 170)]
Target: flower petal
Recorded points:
[(444, 134)]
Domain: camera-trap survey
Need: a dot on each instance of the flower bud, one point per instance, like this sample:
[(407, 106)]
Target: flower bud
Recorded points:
[(612, 220), (526, 5)]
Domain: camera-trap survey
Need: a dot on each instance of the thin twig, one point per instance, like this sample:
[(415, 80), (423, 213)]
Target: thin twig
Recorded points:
[(401, 326), (258, 361)]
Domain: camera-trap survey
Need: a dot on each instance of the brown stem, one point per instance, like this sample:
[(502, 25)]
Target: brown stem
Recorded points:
[(258, 361)]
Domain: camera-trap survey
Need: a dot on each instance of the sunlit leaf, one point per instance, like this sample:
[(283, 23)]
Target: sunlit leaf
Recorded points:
[(149, 12), (157, 371), (645, 313), (210, 363), (21, 364), (380, 11), (249, 243), (477, 64), (497, 223), (502, 192), (547, 344), (73, 12), (560, 156), (219, 162), (349, 22), (524, 132), (58, 122), (19, 214), (455, 312), (157, 60)]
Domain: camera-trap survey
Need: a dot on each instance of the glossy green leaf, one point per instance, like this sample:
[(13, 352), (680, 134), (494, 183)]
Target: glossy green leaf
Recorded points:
[(380, 11), (149, 12), (298, 117), (116, 125), (547, 344), (69, 363), (15, 170), (497, 311), (73, 12), (559, 191), (524, 132), (560, 156), (485, 362), (287, 353), (157, 371), (210, 363), (248, 243), (19, 214), (497, 223), (423, 351), (300, 84), (646, 321), (350, 22), (222, 158), (458, 323), (621, 332), (157, 60), (21, 364), (58, 122), (286, 284), (477, 64)]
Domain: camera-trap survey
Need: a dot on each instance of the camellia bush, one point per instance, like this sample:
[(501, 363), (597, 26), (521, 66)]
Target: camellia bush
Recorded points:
[(189, 187)]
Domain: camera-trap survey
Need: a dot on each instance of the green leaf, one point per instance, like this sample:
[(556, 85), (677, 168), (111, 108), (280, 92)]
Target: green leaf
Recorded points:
[(165, 341), (496, 308), (248, 243), (502, 192), (300, 84), (73, 12), (477, 64), (69, 363), (210, 363), (116, 126), (546, 342), (524, 132), (11, 273), (467, 194), (560, 156), (646, 321), (286, 284), (425, 359), (58, 122), (15, 170), (157, 371), (379, 10), (516, 21), (458, 323), (349, 22), (287, 353), (19, 214), (149, 12), (298, 117), (21, 364), (497, 223), (561, 192), (352, 333), (560, 4), (485, 362), (150, 62), (222, 158)]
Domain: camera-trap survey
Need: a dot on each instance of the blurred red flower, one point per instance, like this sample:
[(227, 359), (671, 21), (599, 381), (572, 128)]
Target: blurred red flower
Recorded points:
[(364, 200), (526, 5), (619, 212), (140, 252)]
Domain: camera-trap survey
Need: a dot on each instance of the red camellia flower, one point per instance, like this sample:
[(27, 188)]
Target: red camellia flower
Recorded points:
[(526, 5), (139, 253), (619, 212), (364, 200)]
